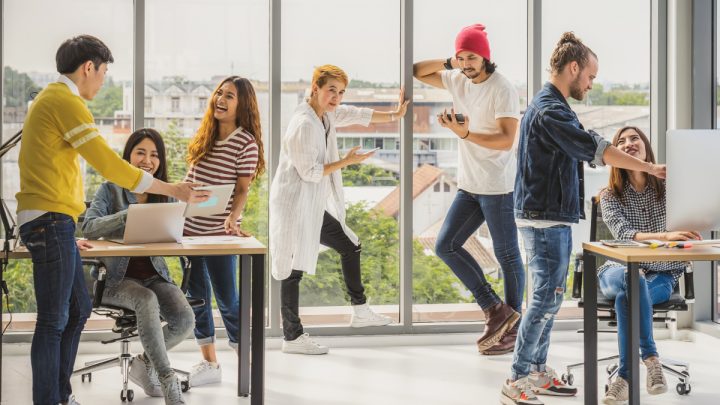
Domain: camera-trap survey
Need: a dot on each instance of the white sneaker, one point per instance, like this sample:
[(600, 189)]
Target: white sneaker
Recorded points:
[(71, 401), (364, 316), (144, 375), (205, 373), (303, 345)]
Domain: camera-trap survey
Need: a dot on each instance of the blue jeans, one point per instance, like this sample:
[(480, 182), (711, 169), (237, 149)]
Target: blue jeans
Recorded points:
[(467, 212), (151, 299), (613, 283), (220, 272), (548, 254), (63, 304)]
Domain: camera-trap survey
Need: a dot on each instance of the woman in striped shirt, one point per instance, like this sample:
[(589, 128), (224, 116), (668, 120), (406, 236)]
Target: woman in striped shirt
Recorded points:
[(227, 149)]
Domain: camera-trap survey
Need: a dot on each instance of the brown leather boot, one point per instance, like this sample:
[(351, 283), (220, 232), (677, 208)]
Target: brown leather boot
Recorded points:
[(498, 320), (504, 346)]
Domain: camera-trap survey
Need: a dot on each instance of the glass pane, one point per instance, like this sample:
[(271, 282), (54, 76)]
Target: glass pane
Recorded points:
[(190, 48), (32, 32), (438, 294), (317, 32), (621, 92)]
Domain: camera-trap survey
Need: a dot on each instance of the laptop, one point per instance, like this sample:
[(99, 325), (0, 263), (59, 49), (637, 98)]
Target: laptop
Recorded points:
[(154, 223)]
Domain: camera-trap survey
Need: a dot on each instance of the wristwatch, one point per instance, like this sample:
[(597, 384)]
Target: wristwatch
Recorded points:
[(448, 63)]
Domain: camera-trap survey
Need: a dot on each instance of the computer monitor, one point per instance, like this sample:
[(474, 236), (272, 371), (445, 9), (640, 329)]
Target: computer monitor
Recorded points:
[(693, 180)]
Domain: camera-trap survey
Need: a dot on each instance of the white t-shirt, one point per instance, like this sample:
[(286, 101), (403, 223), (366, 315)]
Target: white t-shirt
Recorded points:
[(482, 170)]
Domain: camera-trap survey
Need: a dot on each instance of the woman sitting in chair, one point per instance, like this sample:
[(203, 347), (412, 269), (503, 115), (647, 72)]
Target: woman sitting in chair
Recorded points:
[(142, 284), (633, 207)]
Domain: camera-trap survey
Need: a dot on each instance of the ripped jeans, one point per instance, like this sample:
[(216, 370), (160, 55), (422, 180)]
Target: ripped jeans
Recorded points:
[(548, 255), (333, 236)]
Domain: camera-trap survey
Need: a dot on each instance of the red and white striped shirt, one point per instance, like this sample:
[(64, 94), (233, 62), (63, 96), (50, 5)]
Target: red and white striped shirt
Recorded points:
[(236, 156)]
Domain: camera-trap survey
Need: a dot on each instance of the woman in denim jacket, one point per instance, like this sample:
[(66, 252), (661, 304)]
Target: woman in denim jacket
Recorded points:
[(142, 284)]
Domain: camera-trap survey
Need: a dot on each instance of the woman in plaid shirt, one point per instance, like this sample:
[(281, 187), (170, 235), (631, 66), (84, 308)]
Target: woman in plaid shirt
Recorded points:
[(633, 207)]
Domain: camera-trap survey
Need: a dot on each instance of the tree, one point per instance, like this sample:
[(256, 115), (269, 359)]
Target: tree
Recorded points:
[(107, 101), (18, 87), (367, 175)]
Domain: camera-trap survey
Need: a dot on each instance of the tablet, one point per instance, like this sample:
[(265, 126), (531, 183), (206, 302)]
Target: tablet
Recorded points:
[(214, 205)]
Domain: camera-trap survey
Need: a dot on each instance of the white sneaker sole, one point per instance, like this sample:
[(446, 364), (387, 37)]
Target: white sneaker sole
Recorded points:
[(196, 382), (364, 324), (290, 350), (608, 401)]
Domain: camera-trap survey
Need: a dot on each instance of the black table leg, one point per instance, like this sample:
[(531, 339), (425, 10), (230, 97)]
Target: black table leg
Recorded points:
[(590, 327), (633, 325), (244, 330), (257, 391)]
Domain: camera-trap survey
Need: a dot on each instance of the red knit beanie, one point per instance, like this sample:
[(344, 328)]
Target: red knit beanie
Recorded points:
[(473, 38)]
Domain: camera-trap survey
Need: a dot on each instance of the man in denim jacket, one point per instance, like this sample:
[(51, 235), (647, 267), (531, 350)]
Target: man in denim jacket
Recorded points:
[(548, 199)]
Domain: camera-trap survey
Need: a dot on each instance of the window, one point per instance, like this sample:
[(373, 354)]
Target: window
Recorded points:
[(202, 104), (175, 104), (32, 32), (438, 294), (620, 95), (148, 105), (322, 297)]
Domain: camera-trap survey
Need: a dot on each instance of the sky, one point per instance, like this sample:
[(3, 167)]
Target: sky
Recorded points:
[(200, 39)]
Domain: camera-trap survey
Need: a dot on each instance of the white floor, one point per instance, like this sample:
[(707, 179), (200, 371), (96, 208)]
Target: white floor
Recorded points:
[(377, 370)]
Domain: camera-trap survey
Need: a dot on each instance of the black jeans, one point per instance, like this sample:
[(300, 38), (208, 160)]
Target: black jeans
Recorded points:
[(332, 236)]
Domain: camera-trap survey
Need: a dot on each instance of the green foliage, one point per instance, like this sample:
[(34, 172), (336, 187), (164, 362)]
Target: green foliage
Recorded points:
[(107, 101), (17, 88), (19, 278), (618, 96), (367, 175), (176, 152)]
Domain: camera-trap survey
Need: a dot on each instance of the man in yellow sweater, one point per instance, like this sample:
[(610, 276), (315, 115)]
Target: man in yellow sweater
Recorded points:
[(59, 128)]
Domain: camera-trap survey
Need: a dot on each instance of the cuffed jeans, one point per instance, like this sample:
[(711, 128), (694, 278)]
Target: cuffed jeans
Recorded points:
[(548, 254), (218, 274), (333, 236), (63, 304), (613, 283), (467, 213), (151, 299)]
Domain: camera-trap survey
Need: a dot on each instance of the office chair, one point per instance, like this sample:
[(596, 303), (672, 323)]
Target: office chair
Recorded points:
[(662, 312), (126, 326)]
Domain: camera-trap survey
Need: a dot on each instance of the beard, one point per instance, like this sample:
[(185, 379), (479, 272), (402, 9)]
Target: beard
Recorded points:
[(471, 74), (576, 90)]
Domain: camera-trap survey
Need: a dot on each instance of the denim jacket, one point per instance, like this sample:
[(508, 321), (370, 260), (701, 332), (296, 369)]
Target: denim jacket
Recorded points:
[(106, 219), (552, 148)]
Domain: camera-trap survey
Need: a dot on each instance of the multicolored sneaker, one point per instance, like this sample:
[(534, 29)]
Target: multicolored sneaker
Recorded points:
[(548, 383), (518, 392)]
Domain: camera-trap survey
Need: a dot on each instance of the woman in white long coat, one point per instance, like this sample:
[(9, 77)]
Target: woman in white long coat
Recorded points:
[(307, 207)]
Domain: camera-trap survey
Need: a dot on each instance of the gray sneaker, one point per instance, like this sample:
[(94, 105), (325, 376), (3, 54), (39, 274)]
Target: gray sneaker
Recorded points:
[(144, 375), (173, 390), (617, 393), (656, 383)]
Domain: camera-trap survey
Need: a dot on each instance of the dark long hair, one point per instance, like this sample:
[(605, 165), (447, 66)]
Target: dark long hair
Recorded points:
[(247, 116), (161, 173), (619, 177)]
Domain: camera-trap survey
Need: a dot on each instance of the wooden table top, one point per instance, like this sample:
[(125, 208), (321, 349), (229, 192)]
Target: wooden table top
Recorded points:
[(661, 254), (102, 248)]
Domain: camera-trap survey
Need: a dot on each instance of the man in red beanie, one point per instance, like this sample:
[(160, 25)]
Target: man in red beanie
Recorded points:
[(490, 106)]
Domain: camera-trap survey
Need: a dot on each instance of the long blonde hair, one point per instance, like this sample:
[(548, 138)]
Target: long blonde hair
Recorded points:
[(247, 116)]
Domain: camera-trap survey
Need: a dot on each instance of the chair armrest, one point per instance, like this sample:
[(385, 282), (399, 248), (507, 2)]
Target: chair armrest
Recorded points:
[(100, 283), (689, 283), (187, 269), (577, 276)]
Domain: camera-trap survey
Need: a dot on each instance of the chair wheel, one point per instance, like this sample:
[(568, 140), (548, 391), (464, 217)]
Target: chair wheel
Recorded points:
[(611, 368), (683, 389), (185, 385), (127, 396), (569, 379), (88, 375)]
